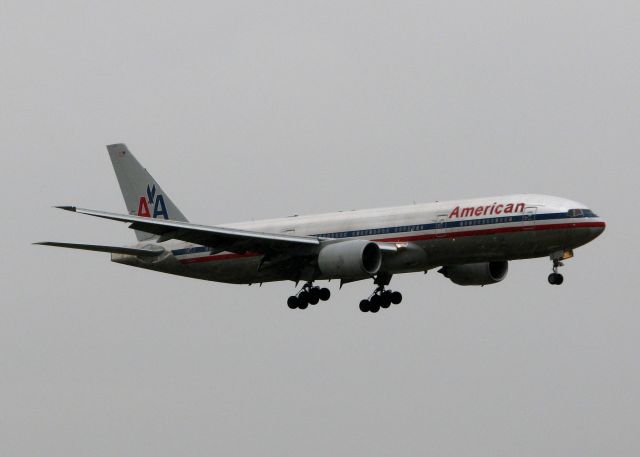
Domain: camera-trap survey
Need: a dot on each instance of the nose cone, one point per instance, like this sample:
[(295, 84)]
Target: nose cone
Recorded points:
[(599, 228), (587, 225), (594, 229)]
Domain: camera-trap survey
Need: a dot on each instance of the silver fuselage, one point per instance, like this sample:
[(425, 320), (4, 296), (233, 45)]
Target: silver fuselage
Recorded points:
[(427, 235)]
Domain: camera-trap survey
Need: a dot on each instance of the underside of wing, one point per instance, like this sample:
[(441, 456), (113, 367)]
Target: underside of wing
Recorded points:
[(223, 238)]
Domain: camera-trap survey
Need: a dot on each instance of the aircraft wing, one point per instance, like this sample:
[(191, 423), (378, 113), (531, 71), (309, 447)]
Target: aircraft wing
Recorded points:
[(102, 248), (224, 238)]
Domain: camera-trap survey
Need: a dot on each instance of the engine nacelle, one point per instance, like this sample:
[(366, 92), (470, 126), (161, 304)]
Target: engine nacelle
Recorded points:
[(476, 274), (350, 259)]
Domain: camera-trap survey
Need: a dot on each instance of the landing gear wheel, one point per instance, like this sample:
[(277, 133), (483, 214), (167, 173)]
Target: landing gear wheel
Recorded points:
[(303, 300), (364, 306), (556, 279), (324, 294), (292, 302), (375, 306), (385, 299), (313, 299), (396, 298)]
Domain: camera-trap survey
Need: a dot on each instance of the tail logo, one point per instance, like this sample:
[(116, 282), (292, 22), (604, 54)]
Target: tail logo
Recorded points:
[(152, 200)]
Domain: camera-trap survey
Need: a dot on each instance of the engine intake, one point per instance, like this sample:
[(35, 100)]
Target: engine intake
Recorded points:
[(350, 259), (476, 274)]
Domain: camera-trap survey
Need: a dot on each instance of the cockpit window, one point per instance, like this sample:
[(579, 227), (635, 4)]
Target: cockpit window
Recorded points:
[(581, 212)]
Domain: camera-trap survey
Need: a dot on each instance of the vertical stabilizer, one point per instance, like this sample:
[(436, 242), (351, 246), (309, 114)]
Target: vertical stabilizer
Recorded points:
[(142, 194)]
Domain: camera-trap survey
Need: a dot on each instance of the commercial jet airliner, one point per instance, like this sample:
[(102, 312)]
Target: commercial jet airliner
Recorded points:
[(470, 241)]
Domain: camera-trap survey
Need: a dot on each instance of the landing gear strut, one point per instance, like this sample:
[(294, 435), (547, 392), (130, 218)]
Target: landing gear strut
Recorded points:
[(308, 295), (380, 298)]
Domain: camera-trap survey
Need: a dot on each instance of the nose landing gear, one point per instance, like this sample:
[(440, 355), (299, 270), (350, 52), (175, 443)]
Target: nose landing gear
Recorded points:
[(308, 295), (556, 278), (557, 257)]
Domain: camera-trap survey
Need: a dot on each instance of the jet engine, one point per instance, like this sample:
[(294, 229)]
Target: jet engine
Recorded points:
[(476, 274), (350, 259)]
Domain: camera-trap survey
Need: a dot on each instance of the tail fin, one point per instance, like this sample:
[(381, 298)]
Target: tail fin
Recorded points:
[(142, 194)]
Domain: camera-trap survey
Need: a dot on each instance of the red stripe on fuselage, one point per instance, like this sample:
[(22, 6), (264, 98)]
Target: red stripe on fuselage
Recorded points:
[(491, 231), (424, 237)]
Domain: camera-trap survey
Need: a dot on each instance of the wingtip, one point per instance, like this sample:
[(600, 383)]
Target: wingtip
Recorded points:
[(66, 208)]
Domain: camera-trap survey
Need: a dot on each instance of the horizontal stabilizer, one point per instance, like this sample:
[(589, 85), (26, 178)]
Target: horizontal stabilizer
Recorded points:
[(100, 248)]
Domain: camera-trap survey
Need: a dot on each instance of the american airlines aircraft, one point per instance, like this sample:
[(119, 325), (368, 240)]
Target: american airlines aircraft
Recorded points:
[(471, 241)]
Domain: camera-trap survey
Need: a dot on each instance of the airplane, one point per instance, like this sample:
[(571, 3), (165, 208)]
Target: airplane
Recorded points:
[(470, 241)]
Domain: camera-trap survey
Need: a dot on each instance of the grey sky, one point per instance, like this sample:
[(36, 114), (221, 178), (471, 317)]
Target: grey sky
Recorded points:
[(257, 109)]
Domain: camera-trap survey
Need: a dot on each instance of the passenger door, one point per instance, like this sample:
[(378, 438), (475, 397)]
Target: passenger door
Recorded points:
[(441, 225), (529, 218)]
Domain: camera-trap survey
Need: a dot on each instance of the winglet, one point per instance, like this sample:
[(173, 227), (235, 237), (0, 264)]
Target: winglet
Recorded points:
[(67, 208)]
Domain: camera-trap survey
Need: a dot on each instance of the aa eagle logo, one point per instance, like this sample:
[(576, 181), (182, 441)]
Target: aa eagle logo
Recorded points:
[(151, 200)]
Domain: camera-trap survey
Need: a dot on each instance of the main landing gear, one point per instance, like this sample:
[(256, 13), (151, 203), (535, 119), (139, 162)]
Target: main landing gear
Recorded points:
[(308, 295), (380, 298)]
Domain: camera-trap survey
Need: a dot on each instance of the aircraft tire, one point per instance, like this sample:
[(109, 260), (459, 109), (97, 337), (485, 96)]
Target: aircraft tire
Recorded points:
[(325, 294), (396, 298), (364, 306), (303, 300), (292, 302), (314, 292), (556, 279)]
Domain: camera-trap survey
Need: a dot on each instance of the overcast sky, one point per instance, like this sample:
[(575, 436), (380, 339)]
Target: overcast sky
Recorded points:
[(248, 110)]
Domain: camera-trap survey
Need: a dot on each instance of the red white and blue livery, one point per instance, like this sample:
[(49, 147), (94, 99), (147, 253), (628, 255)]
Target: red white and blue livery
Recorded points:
[(470, 241)]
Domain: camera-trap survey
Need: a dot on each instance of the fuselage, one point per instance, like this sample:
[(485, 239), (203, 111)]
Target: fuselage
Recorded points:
[(429, 235)]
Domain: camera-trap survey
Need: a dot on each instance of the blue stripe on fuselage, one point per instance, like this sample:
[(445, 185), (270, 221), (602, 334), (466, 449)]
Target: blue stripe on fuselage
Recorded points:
[(447, 224)]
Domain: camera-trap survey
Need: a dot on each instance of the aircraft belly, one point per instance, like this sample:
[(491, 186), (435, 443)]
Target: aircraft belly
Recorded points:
[(493, 247), (244, 270)]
